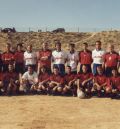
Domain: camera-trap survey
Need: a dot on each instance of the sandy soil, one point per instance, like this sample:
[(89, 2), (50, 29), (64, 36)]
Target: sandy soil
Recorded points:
[(52, 112)]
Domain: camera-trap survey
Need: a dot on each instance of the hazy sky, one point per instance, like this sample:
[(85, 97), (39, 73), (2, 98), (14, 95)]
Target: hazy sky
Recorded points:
[(60, 13)]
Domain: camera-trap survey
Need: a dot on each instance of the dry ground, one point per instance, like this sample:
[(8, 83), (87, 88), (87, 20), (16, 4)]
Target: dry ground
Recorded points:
[(48, 112)]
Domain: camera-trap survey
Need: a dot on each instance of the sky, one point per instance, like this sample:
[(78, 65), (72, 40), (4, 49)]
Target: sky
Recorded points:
[(85, 14)]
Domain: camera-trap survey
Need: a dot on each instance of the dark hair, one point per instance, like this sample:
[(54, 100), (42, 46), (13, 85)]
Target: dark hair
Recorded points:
[(19, 44), (43, 67), (69, 66), (57, 43), (72, 45), (55, 67), (99, 67), (98, 41), (31, 66), (85, 43)]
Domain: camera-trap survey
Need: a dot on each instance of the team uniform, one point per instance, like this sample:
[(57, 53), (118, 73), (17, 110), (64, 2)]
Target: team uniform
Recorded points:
[(114, 83), (10, 82), (97, 56), (59, 58), (55, 79), (85, 58), (43, 82), (19, 61), (7, 58), (86, 82), (72, 61), (111, 61), (102, 81), (46, 63), (70, 83), (30, 58), (29, 81)]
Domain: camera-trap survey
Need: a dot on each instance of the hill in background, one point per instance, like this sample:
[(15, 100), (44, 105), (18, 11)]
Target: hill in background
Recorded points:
[(37, 38)]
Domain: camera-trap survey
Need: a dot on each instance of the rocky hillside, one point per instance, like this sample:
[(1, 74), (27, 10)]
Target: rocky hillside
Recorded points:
[(37, 39)]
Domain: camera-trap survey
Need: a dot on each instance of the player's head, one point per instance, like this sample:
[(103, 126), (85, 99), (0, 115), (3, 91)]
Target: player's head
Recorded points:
[(19, 47), (58, 45), (110, 48), (43, 69), (30, 69), (10, 67), (114, 72), (84, 69), (45, 45), (68, 69), (72, 47), (29, 48), (56, 70), (7, 46), (98, 45), (85, 46), (99, 70)]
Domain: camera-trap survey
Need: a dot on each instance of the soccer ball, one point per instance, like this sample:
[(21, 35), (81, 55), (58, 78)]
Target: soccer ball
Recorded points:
[(80, 94)]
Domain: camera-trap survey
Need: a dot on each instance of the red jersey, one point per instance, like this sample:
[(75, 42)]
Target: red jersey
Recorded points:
[(85, 57), (46, 63), (57, 78), (100, 79), (84, 77), (1, 76), (69, 77), (10, 75), (111, 60), (7, 57), (19, 57), (114, 82), (43, 77)]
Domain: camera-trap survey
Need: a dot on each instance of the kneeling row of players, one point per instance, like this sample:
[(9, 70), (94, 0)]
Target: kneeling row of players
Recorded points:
[(54, 84)]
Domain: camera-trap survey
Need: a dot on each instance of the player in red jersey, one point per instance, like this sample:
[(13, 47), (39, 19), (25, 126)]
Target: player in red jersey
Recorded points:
[(19, 59), (85, 81), (114, 83), (44, 57), (11, 81), (43, 80), (100, 83), (111, 60), (56, 83), (7, 57), (70, 82), (85, 58)]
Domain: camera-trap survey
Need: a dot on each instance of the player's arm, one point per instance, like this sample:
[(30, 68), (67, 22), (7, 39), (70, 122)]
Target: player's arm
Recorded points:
[(87, 80), (44, 81), (72, 81)]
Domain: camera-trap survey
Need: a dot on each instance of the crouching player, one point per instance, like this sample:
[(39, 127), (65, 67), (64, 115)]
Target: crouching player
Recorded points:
[(56, 83), (11, 81), (70, 83), (43, 81), (85, 81), (114, 83), (29, 81), (100, 83)]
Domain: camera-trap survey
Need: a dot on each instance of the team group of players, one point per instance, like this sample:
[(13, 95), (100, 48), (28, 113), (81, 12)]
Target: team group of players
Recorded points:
[(57, 72)]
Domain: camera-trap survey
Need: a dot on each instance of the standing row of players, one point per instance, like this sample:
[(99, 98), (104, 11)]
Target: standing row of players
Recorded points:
[(98, 70)]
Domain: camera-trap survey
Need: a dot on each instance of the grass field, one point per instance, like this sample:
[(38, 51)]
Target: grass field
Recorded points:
[(53, 112)]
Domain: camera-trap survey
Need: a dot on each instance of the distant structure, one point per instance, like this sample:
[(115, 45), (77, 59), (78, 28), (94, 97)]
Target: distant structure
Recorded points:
[(59, 30), (39, 30), (8, 30)]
